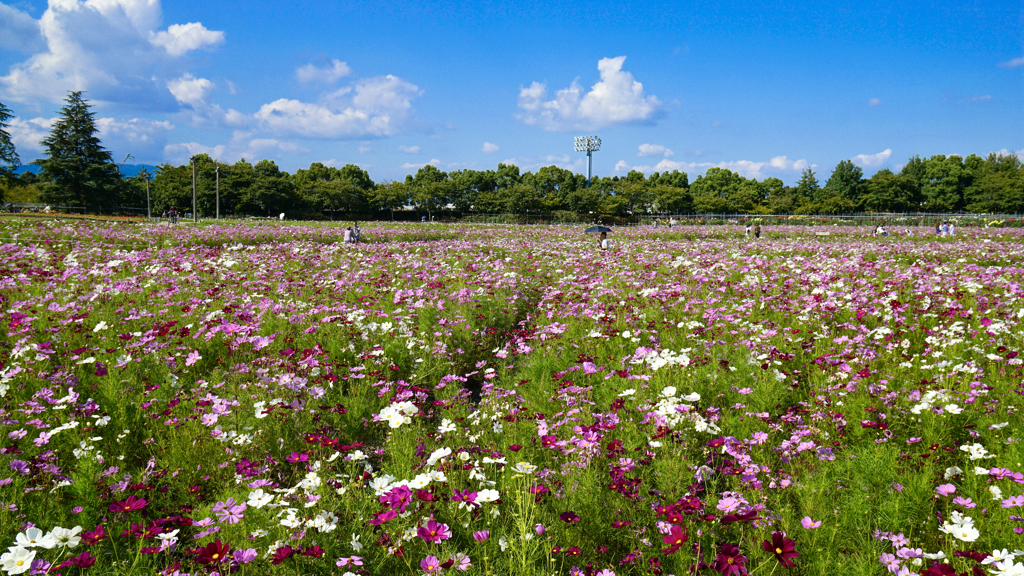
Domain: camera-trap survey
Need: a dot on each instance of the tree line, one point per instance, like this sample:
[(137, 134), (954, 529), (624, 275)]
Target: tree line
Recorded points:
[(77, 171)]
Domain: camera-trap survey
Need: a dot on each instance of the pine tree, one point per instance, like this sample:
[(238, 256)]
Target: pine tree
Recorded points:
[(78, 169), (9, 160)]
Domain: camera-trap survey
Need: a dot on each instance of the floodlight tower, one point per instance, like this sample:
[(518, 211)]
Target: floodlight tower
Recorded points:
[(588, 144)]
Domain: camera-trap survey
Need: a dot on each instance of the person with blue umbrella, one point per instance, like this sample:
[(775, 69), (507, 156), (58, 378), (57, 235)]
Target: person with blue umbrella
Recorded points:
[(603, 231)]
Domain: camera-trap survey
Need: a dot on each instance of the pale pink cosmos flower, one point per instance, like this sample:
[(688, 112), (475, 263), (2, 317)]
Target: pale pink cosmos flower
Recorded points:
[(809, 524)]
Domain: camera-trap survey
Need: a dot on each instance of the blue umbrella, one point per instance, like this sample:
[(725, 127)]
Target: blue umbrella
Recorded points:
[(597, 230)]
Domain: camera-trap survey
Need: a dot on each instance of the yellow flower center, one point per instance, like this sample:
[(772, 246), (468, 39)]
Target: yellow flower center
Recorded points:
[(729, 561), (19, 562), (215, 556), (778, 550)]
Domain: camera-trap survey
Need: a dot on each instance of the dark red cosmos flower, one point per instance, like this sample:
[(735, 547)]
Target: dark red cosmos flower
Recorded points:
[(621, 523), (213, 553), (425, 495), (783, 548), (129, 505), (315, 551), (937, 569), (745, 517), (281, 554), (515, 447), (574, 551), (83, 560), (675, 538), (729, 561), (569, 517)]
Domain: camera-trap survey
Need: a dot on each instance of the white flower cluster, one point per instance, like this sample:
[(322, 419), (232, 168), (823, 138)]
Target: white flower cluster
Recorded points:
[(397, 414), (961, 527), (18, 558)]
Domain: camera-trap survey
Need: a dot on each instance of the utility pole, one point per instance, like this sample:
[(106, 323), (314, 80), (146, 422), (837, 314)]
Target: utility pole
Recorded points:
[(217, 171), (145, 174), (195, 219)]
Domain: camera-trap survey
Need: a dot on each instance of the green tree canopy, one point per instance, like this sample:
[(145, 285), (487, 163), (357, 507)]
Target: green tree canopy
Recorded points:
[(9, 160), (77, 167)]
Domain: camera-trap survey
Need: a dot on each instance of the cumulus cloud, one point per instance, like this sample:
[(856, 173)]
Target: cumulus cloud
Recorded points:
[(19, 31), (327, 75), (654, 150), (616, 99), (111, 48), (409, 149), (179, 39), (380, 106), (411, 165), (1012, 63), (241, 145), (142, 137), (27, 134), (777, 166), (872, 160), (533, 163), (874, 102), (190, 90), (490, 148)]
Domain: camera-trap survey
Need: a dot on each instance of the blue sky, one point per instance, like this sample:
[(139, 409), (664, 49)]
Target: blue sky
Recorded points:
[(763, 88)]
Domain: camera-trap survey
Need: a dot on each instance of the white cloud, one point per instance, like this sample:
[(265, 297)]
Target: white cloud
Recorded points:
[(1006, 152), (874, 102), (365, 148), (533, 163), (411, 165), (409, 149), (654, 150), (621, 165), (327, 75), (110, 48), (616, 99), (19, 31), (190, 90), (777, 166), (143, 138), (26, 134), (1012, 63), (380, 106), (179, 39), (783, 163), (242, 145), (490, 148), (872, 160)]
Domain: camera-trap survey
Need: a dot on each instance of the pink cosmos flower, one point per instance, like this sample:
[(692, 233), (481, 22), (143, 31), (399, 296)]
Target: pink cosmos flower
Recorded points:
[(1013, 501), (946, 489), (809, 524), (482, 535), (430, 564), (434, 532)]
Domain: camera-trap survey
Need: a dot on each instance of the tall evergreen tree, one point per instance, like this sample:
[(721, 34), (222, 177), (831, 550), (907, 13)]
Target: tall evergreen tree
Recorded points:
[(79, 170), (9, 160)]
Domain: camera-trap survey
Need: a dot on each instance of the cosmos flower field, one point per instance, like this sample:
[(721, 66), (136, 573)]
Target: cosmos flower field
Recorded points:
[(264, 399)]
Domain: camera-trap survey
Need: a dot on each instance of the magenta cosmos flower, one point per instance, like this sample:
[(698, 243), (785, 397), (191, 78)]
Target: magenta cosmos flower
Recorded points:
[(675, 538), (430, 564), (434, 532)]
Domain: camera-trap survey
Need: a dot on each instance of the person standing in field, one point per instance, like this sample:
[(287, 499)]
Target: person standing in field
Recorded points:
[(952, 228), (746, 232), (605, 244), (356, 231), (757, 231), (347, 238), (672, 222)]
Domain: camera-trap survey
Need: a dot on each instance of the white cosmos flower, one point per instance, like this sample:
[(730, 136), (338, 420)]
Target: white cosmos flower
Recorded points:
[(998, 556), (65, 537), (438, 454), (627, 392), (487, 496), (34, 537), (17, 561), (258, 498)]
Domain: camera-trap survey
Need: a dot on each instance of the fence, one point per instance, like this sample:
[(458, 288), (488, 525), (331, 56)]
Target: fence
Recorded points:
[(911, 219)]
